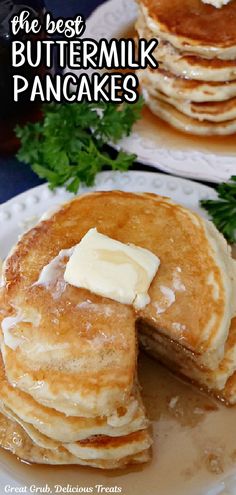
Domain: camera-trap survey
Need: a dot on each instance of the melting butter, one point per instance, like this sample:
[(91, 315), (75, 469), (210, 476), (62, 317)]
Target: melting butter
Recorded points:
[(109, 268)]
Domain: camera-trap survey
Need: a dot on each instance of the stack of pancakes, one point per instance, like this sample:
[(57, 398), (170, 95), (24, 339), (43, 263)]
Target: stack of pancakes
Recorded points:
[(68, 384), (194, 88)]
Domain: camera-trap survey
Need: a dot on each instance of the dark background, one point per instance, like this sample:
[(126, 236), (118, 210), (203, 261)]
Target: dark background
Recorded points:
[(69, 8)]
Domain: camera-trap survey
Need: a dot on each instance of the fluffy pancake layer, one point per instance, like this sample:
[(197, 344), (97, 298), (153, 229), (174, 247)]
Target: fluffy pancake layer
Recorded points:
[(73, 356), (185, 123), (197, 64), (186, 364), (15, 439), (85, 330), (62, 428)]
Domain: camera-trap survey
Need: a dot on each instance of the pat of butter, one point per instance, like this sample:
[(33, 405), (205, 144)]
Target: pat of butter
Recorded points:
[(217, 3), (109, 268)]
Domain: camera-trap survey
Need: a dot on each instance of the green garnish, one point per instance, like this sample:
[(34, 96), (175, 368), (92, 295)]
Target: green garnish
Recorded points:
[(223, 210), (66, 147)]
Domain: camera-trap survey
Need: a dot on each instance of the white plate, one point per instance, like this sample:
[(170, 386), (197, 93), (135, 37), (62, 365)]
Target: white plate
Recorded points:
[(156, 145), (15, 217), (27, 207)]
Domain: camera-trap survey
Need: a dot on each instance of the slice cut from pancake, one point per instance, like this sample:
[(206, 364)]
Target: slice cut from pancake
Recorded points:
[(14, 439), (192, 301), (186, 89), (193, 26), (187, 124)]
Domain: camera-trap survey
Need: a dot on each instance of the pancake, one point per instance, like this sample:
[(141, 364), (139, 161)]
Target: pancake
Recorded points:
[(186, 89), (188, 65), (86, 366), (192, 299), (59, 427), (116, 448), (36, 437), (220, 111), (194, 88), (192, 26), (188, 124), (180, 361), (192, 67), (127, 443), (68, 387), (94, 447), (15, 439), (98, 447)]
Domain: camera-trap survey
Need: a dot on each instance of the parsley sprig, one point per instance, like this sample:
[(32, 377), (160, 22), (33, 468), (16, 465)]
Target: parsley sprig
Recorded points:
[(68, 146), (223, 210)]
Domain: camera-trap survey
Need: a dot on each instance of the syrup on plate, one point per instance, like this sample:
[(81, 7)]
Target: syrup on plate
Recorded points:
[(194, 435), (154, 129), (194, 444)]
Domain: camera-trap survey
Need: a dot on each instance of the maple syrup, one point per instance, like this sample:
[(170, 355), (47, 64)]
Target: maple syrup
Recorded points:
[(194, 444), (158, 131)]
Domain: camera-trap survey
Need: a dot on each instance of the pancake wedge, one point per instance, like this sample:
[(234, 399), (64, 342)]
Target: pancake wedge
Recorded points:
[(207, 272), (75, 361)]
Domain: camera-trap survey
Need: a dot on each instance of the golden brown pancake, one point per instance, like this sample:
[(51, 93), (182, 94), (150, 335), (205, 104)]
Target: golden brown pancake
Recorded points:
[(212, 111), (60, 427), (193, 25), (197, 42), (15, 439), (188, 65), (192, 67), (184, 363), (185, 123), (68, 387), (97, 447)]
